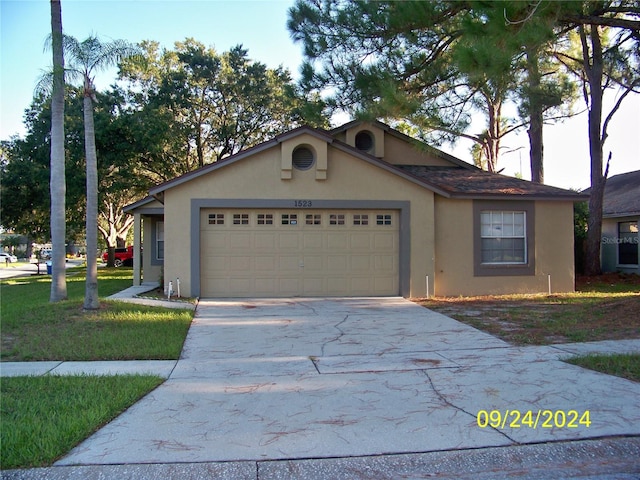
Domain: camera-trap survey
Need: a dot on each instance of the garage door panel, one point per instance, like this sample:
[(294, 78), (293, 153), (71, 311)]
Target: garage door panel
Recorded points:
[(312, 285), (265, 286), (360, 285), (360, 241), (213, 243), (289, 240), (337, 240), (313, 263), (218, 285), (265, 263), (217, 261), (383, 240), (337, 263), (239, 263), (383, 284), (288, 263), (240, 285), (337, 285), (361, 263), (384, 263), (255, 253), (313, 240), (289, 286), (264, 241), (242, 242)]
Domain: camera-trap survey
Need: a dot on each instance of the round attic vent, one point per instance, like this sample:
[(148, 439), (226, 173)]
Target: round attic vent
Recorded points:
[(303, 158), (364, 141)]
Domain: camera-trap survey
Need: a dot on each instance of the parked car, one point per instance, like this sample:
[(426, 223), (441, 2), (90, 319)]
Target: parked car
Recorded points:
[(7, 258), (123, 256)]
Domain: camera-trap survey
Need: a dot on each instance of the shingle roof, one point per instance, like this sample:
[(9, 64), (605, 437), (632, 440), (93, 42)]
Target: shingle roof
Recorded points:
[(459, 181), (464, 183), (622, 195)]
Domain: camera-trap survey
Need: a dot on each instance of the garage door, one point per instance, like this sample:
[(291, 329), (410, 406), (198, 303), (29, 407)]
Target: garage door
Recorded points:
[(247, 253)]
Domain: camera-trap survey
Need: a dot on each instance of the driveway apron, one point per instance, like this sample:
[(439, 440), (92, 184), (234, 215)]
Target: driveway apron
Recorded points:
[(270, 379)]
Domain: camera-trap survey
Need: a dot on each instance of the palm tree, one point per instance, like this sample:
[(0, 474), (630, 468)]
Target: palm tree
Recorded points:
[(85, 59), (57, 178)]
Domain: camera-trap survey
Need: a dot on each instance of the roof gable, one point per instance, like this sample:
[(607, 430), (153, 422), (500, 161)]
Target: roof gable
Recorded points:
[(417, 144), (461, 180)]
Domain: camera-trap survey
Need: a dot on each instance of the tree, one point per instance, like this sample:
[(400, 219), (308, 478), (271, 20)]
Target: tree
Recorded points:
[(518, 37), (26, 205), (433, 64), (85, 59), (213, 105), (606, 56), (57, 179), (422, 62), (121, 180)]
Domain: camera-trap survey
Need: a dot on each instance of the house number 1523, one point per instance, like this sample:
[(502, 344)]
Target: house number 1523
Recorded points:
[(302, 203)]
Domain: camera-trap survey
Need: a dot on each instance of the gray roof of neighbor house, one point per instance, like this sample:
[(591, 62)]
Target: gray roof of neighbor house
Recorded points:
[(622, 195)]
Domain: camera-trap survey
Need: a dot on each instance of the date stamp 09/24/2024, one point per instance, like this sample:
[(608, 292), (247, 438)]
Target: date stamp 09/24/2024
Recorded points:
[(533, 419)]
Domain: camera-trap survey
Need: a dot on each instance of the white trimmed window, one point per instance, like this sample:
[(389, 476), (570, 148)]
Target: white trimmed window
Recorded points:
[(503, 237), (160, 240)]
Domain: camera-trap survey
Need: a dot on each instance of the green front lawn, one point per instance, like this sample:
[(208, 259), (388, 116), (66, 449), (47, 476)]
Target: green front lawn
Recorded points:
[(34, 329), (622, 365), (44, 417)]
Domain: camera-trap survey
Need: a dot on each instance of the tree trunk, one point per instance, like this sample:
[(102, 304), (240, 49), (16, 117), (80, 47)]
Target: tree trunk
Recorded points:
[(493, 135), (593, 65), (536, 153), (91, 286), (57, 179)]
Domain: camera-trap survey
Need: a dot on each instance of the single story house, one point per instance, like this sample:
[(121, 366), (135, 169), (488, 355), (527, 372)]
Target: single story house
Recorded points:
[(360, 210), (620, 214)]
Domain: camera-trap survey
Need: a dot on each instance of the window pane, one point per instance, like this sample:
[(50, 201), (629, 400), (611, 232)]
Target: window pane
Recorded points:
[(241, 219), (336, 219), (289, 219), (383, 219), (216, 219), (160, 240), (361, 219), (499, 242), (313, 219), (628, 243)]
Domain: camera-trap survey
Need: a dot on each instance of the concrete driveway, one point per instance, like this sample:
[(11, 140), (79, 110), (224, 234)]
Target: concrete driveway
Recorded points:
[(311, 378)]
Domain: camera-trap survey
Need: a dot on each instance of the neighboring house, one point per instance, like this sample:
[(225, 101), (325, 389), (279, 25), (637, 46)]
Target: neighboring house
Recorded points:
[(620, 215), (360, 210)]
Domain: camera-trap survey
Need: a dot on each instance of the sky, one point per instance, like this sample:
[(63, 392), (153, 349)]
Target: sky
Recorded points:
[(260, 26)]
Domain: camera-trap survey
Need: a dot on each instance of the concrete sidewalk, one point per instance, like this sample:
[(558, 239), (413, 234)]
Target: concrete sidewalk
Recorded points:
[(164, 368), (354, 388)]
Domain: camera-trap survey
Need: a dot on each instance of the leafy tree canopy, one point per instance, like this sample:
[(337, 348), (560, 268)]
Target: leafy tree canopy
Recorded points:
[(199, 106)]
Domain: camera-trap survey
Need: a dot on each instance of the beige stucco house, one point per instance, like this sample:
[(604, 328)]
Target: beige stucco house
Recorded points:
[(361, 210)]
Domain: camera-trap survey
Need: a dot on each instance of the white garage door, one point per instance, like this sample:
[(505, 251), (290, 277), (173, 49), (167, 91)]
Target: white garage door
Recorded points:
[(247, 253)]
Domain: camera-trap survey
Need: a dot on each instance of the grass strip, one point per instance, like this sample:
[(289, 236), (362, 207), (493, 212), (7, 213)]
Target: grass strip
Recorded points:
[(621, 365), (44, 417), (32, 329)]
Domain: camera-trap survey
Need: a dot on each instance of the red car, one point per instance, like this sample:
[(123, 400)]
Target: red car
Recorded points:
[(123, 256)]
